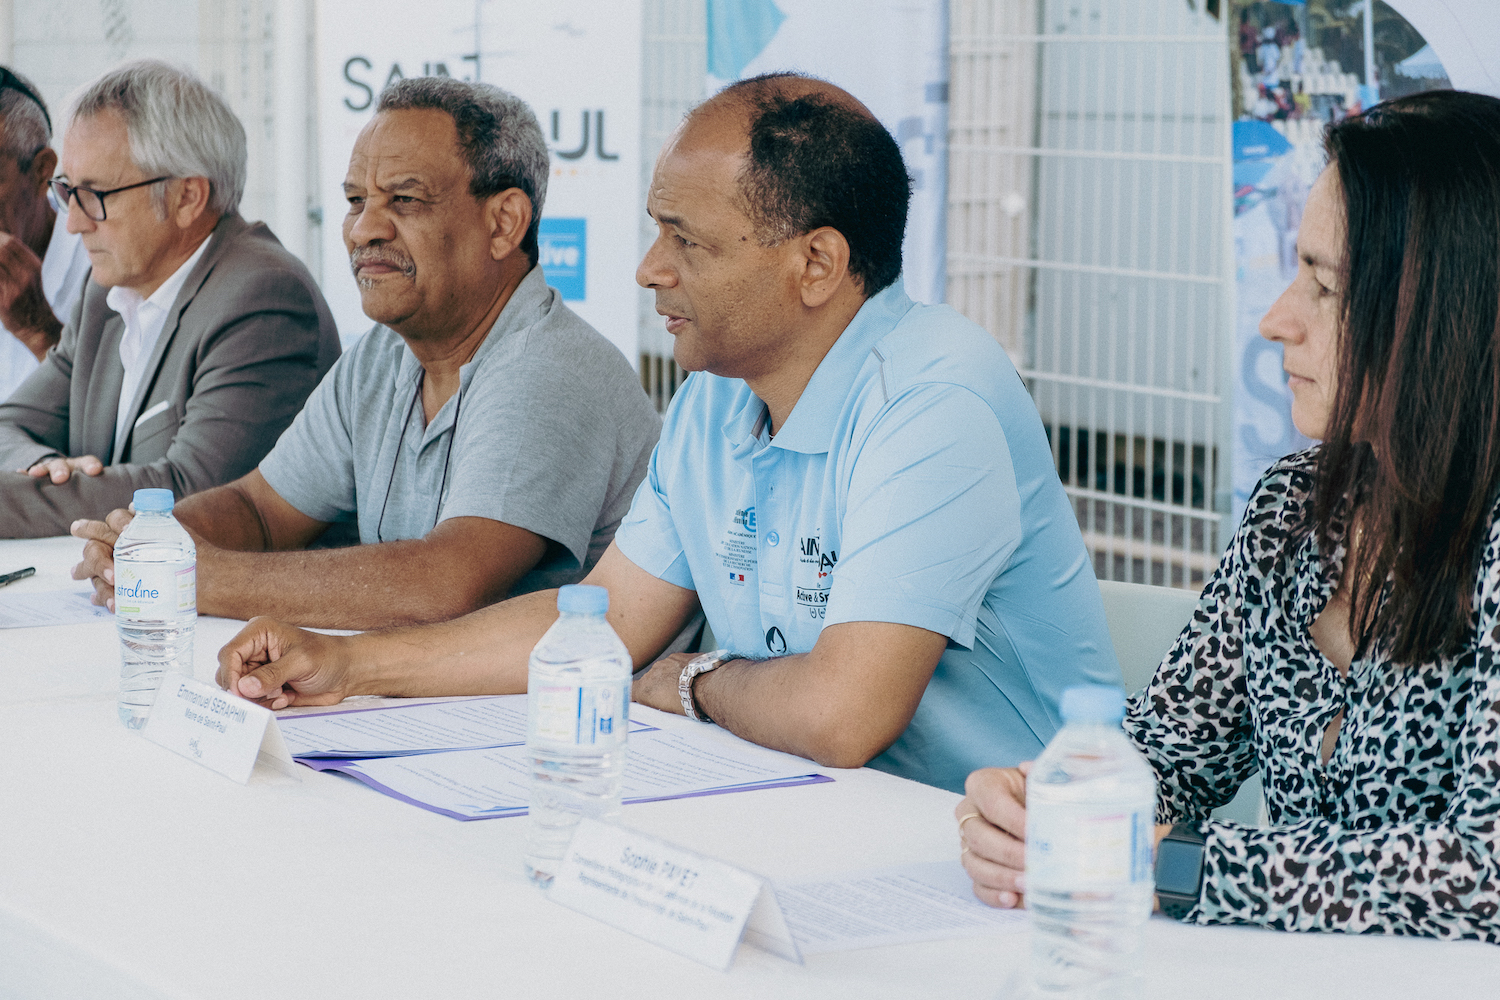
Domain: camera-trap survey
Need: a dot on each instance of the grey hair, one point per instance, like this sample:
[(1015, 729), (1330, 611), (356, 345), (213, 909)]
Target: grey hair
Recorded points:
[(25, 132), (498, 136), (177, 126)]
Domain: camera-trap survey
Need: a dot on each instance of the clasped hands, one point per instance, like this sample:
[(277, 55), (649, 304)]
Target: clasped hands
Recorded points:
[(60, 469)]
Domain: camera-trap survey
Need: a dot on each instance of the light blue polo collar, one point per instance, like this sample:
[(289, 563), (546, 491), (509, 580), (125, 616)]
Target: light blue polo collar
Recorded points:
[(810, 426)]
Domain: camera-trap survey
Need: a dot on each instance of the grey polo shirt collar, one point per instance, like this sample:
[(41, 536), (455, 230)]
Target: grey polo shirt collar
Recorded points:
[(407, 439), (525, 307)]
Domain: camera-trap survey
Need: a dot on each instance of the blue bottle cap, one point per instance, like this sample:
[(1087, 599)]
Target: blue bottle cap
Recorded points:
[(582, 599), (155, 501), (1102, 703)]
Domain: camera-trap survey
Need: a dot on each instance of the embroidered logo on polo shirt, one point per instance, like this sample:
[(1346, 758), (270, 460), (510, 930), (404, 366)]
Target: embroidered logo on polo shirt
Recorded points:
[(814, 575), (737, 547)]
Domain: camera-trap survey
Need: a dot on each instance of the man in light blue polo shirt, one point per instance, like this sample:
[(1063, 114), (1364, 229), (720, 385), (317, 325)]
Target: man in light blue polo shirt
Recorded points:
[(857, 489)]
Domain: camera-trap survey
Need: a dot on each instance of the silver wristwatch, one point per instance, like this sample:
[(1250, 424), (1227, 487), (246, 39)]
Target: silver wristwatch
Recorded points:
[(700, 664)]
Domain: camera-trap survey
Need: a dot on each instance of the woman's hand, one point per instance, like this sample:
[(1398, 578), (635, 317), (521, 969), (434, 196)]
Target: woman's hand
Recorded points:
[(992, 828)]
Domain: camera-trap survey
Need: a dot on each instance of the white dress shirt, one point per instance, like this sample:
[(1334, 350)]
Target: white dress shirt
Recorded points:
[(144, 318), (65, 268)]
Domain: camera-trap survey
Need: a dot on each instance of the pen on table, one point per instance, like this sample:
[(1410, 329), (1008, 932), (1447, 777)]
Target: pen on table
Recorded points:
[(19, 574)]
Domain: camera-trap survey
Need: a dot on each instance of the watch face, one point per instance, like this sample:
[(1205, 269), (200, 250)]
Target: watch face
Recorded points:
[(1179, 867)]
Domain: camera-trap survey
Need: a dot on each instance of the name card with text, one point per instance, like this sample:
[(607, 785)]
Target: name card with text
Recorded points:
[(221, 731), (685, 902)]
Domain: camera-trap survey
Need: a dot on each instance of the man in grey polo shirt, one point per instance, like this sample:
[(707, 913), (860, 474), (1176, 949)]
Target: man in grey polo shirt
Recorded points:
[(487, 440)]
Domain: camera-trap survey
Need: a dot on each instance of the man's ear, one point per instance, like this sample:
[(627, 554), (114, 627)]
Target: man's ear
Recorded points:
[(43, 166), (825, 265), (509, 215), (191, 201)]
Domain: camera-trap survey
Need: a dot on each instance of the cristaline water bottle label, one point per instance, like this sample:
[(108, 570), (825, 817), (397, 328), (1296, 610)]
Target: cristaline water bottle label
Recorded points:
[(155, 590), (580, 714), (1078, 847)]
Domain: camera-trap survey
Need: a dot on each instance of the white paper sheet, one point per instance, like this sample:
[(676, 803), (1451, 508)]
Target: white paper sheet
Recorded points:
[(407, 729), (868, 909), (491, 783), (35, 608), (400, 730)]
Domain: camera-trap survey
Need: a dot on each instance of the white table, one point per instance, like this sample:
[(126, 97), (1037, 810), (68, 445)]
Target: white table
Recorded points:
[(127, 871)]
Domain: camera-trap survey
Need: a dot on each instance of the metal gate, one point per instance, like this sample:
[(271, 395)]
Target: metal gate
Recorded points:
[(1089, 211)]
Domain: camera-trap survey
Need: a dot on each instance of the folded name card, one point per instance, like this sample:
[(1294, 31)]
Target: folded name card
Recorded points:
[(685, 902), (221, 731)]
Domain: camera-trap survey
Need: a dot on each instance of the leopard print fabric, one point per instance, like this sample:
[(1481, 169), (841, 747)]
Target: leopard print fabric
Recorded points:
[(1397, 833)]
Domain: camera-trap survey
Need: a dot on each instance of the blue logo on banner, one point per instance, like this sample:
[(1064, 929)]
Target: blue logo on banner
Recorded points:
[(563, 246)]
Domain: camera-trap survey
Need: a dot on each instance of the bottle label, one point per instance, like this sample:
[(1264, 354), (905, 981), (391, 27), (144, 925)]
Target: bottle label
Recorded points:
[(1078, 847), (155, 590), (580, 714)]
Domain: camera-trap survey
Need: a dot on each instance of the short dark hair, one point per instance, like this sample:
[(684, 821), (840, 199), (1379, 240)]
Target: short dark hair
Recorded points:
[(25, 129), (815, 162), (497, 133), (1412, 453)]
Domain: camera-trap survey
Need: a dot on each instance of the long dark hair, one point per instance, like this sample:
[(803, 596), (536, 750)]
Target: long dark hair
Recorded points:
[(1411, 460)]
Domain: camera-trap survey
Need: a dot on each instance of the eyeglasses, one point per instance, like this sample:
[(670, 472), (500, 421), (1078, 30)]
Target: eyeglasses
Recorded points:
[(91, 201), (9, 81)]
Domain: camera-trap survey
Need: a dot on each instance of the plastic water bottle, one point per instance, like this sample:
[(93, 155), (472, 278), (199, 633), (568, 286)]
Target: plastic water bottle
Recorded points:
[(578, 705), (1090, 818), (156, 602)]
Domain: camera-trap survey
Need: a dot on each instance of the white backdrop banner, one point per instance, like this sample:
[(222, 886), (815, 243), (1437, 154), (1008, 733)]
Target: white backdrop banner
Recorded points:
[(893, 56), (581, 73)]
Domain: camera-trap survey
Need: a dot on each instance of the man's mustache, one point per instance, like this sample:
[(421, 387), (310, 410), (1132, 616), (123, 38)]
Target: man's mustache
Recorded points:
[(389, 256)]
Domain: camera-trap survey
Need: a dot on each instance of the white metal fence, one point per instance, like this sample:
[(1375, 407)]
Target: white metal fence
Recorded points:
[(1088, 231), (674, 77)]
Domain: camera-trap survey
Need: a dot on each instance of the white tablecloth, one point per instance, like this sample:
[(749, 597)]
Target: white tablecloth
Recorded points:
[(127, 871)]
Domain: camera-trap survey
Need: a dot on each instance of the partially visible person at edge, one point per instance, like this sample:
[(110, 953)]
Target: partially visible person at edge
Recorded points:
[(485, 438), (43, 267), (1347, 650), (857, 489), (198, 337)]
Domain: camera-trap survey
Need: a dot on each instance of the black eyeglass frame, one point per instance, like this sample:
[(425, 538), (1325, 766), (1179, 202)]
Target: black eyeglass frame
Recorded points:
[(69, 192), (9, 81)]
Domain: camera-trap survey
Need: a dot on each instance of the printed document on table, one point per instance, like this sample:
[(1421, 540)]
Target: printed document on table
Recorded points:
[(870, 909), (495, 782), (35, 608), (398, 730)]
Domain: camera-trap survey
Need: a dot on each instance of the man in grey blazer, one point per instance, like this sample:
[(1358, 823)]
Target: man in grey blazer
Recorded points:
[(199, 336)]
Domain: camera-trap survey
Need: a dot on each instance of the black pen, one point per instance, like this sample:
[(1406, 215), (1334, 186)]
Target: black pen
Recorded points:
[(19, 574)]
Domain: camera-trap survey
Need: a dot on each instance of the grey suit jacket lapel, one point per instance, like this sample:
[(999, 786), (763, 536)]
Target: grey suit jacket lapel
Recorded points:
[(104, 393), (222, 233)]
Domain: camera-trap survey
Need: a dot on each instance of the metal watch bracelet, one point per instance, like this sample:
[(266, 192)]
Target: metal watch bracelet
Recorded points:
[(700, 664)]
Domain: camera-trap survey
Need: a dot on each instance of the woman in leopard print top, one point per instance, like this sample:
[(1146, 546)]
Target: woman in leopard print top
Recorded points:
[(1347, 649), (1397, 831)]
